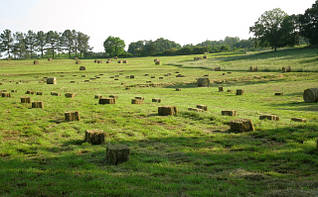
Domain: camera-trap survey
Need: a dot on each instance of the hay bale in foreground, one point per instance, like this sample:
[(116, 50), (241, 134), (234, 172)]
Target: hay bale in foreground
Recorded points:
[(39, 93), (239, 92), (37, 104), (268, 117), (51, 80), (25, 100), (117, 154), (156, 100), (241, 125), (104, 101), (278, 94), (221, 89), (94, 137), (167, 110), (311, 95), (55, 94), (203, 107), (72, 116), (203, 82)]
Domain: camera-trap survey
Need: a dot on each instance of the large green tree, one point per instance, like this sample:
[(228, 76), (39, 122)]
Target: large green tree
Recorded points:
[(68, 41), (19, 45), (41, 42), (309, 24), (30, 42), (114, 46), (83, 46), (6, 39), (53, 40), (274, 28)]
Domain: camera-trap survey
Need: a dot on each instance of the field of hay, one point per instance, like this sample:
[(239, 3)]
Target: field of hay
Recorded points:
[(190, 154)]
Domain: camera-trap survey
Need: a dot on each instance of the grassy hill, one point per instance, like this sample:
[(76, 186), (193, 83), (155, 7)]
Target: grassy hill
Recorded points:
[(190, 154)]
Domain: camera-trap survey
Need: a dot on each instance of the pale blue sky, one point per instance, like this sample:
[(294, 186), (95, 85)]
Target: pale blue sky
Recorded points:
[(184, 21)]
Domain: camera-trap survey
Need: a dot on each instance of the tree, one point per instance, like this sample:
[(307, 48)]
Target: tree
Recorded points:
[(41, 42), (52, 39), (83, 46), (272, 29), (6, 38), (30, 42), (136, 48), (19, 45), (68, 41), (309, 24), (114, 46)]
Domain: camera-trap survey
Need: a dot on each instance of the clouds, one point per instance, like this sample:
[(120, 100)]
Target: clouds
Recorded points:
[(183, 21)]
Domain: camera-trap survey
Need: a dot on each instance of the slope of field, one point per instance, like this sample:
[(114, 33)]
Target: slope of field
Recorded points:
[(190, 154)]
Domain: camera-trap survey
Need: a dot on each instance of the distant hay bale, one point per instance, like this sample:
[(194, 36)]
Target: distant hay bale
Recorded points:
[(146, 74), (113, 96), (71, 116), (197, 58), (49, 59), (241, 125), (82, 68), (95, 61), (77, 62), (86, 80), (139, 97), (103, 101), (152, 77), (125, 61), (5, 94), (203, 107), (37, 104), (98, 96), (137, 101), (69, 95), (195, 109), (167, 110), (156, 59), (205, 57), (14, 91), (51, 80), (132, 76), (117, 154), (221, 89), (178, 89), (119, 61), (157, 62), (180, 75), (311, 95), (99, 61), (72, 81), (55, 94), (278, 94), (39, 93), (160, 77), (94, 137), (253, 69), (35, 62), (203, 82), (115, 57), (29, 92), (108, 61), (217, 69), (298, 119), (25, 100), (286, 69), (156, 100), (268, 117), (228, 113), (239, 92)]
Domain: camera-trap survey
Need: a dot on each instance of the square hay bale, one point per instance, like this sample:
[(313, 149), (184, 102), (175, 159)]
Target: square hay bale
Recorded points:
[(108, 61), (160, 77), (116, 79), (229, 91), (152, 77), (35, 62), (49, 59), (203, 82), (98, 96), (146, 74), (37, 104), (72, 116), (206, 75), (127, 88), (278, 94), (132, 76), (203, 107), (137, 101), (139, 97), (82, 68), (241, 125), (217, 69), (205, 57), (86, 80), (25, 100), (125, 61), (83, 75), (119, 61), (69, 95), (195, 109), (197, 58), (14, 91), (104, 101), (55, 94), (268, 117), (228, 113), (29, 92), (51, 80), (99, 62), (239, 92), (113, 96), (156, 100), (167, 111), (178, 89), (298, 119), (77, 62), (72, 81), (253, 69), (5, 94), (117, 154), (39, 93), (180, 75), (221, 89), (94, 137)]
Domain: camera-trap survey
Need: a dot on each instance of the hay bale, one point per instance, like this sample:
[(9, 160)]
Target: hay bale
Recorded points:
[(229, 91), (205, 57), (14, 91), (131, 76), (86, 80), (203, 82), (157, 62), (115, 57), (239, 92), (137, 101), (241, 125), (113, 96), (278, 94), (146, 74), (180, 75), (82, 68), (127, 88), (195, 109), (167, 110), (35, 62), (51, 80), (253, 69), (117, 154), (49, 59), (108, 61), (72, 116), (268, 117), (99, 61), (125, 61), (69, 95), (104, 101), (77, 62), (119, 61), (94, 137), (178, 89), (152, 77), (217, 69), (72, 81), (221, 89), (25, 100), (311, 95), (37, 104), (298, 119), (197, 58), (39, 93), (55, 94), (5, 94), (139, 97), (98, 96), (160, 77), (228, 113), (29, 92), (203, 107), (156, 100)]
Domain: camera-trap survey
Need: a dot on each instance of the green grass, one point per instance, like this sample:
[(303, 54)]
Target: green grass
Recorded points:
[(191, 154)]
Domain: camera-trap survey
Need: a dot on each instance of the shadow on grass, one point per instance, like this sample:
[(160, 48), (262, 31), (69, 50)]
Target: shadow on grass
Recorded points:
[(296, 106)]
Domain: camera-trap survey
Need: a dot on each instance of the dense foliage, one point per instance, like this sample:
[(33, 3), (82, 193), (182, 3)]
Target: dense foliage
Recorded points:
[(309, 24)]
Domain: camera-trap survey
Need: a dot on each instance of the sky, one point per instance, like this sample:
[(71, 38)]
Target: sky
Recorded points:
[(183, 21)]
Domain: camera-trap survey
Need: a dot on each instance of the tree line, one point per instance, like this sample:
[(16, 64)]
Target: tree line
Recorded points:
[(32, 44)]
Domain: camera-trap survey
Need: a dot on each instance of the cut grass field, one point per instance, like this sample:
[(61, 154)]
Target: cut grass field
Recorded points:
[(190, 154)]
